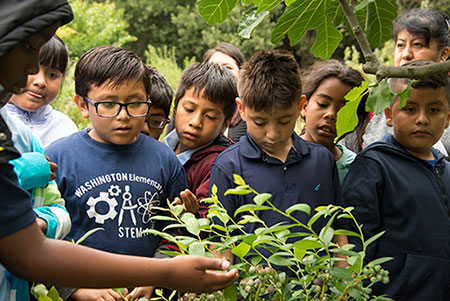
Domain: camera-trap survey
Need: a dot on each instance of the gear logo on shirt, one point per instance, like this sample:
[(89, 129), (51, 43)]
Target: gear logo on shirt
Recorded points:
[(101, 218)]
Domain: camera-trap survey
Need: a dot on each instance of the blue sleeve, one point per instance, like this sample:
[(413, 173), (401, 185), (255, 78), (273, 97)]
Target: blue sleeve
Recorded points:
[(32, 169), (15, 204), (47, 214)]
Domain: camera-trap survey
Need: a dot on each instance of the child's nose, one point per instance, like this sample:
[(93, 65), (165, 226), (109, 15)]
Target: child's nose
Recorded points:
[(422, 117), (272, 132), (196, 120), (331, 114), (39, 79)]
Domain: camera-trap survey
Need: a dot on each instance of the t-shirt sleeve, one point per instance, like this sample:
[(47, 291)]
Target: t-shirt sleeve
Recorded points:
[(15, 205)]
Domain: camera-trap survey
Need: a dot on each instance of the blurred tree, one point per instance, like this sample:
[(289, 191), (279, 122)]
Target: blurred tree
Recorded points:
[(95, 24)]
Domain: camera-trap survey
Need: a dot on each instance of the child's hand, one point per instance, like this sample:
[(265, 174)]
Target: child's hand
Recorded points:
[(53, 168), (140, 292), (189, 200), (84, 294), (191, 274), (42, 224)]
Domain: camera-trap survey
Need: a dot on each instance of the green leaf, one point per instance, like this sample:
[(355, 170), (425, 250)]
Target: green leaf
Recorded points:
[(87, 234), (281, 261), (347, 117), (214, 189), (326, 234), (380, 97), (250, 207), (346, 232), (341, 273), (356, 264), (405, 94), (256, 260), (344, 252), (44, 298), (307, 244), (379, 21), (246, 2), (241, 249), (289, 2), (238, 180), (196, 248), (240, 190), (316, 216), (53, 294), (261, 198), (266, 5), (215, 11), (163, 218), (230, 293), (355, 293), (39, 289), (192, 224), (328, 36), (177, 209), (159, 233), (299, 207), (249, 21), (381, 260), (363, 4), (296, 19), (373, 238)]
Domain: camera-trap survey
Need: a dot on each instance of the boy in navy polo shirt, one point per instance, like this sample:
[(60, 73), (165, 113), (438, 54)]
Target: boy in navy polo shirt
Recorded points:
[(272, 158), (407, 193)]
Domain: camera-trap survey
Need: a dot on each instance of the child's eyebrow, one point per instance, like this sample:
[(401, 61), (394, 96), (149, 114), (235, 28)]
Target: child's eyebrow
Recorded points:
[(330, 98), (116, 97)]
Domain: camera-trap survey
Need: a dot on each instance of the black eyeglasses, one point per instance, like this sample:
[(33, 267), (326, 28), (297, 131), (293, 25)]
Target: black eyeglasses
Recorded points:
[(112, 109), (157, 122)]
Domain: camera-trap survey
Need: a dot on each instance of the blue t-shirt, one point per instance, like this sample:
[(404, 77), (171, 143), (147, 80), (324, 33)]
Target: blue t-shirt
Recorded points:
[(116, 187)]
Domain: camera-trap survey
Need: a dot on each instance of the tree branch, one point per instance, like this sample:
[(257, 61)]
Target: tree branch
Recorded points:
[(372, 66)]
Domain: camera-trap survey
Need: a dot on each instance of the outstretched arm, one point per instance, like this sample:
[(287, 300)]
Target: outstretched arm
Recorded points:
[(65, 264)]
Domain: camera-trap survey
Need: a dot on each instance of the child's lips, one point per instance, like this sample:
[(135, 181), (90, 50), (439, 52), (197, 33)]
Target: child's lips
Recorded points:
[(122, 130), (35, 94), (190, 136), (327, 131), (421, 133)]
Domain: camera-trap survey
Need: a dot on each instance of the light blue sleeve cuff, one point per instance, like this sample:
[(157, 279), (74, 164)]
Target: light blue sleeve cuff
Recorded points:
[(32, 169), (52, 223)]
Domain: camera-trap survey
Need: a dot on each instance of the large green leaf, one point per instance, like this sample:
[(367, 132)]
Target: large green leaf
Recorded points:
[(328, 36), (192, 224), (266, 5), (347, 118), (303, 15), (241, 250), (295, 21), (196, 248), (379, 21), (249, 21), (215, 11), (380, 97), (299, 207), (250, 207)]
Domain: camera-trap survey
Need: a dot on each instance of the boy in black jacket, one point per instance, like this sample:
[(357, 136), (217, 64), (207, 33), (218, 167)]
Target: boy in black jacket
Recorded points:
[(400, 185)]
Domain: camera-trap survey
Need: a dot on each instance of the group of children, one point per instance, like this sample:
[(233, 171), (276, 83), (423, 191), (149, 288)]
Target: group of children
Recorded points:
[(113, 176)]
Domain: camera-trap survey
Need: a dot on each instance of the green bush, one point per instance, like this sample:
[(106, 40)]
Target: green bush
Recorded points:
[(311, 259)]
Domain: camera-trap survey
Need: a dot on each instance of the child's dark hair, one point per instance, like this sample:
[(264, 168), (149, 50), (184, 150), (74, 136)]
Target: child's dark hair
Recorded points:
[(212, 82), (228, 49), (428, 23), (54, 54), (270, 81), (109, 64), (162, 94), (323, 70), (435, 81)]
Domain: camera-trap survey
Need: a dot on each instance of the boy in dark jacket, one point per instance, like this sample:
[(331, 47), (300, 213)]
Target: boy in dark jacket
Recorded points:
[(400, 185), (204, 106)]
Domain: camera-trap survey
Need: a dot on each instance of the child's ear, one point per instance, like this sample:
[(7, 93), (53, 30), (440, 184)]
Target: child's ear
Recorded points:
[(225, 125), (302, 107), (388, 114), (240, 108), (448, 120), (82, 105), (445, 52)]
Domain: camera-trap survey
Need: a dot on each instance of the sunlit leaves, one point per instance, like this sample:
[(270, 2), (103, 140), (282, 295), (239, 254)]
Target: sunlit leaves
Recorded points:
[(215, 11), (347, 118), (380, 97), (249, 21)]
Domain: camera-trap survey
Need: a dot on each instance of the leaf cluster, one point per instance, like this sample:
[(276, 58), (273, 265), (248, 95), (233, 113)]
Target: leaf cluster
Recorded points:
[(311, 257)]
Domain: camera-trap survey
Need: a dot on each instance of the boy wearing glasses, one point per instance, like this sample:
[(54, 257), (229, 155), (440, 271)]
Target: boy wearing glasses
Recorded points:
[(161, 97), (105, 173), (204, 106)]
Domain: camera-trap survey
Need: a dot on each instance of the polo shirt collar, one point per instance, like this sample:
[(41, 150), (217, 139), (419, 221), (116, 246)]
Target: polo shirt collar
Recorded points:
[(172, 140), (251, 150)]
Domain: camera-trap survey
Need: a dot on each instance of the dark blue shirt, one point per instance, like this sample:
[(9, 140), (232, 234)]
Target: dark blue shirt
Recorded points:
[(309, 176)]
